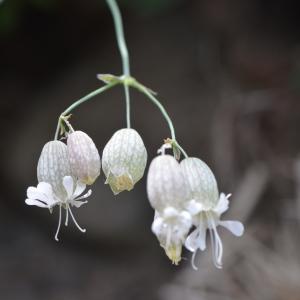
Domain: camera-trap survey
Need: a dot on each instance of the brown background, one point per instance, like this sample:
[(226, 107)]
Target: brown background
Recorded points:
[(228, 73)]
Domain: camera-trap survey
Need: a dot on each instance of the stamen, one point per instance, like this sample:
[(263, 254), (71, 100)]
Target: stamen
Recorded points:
[(67, 216), (73, 218), (59, 223), (216, 243), (89, 192), (213, 247), (193, 260)]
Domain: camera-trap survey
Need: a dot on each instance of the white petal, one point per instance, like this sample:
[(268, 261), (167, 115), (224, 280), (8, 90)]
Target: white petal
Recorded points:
[(35, 194), (77, 203), (45, 188), (80, 187), (36, 202), (170, 212), (157, 225), (196, 240), (235, 227), (68, 183), (194, 207), (89, 192), (223, 204)]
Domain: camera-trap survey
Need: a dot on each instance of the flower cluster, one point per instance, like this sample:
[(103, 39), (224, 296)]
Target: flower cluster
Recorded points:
[(184, 196), (65, 169)]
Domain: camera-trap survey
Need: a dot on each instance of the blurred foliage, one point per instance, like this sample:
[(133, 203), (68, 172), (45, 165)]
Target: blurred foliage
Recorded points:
[(148, 7), (11, 11)]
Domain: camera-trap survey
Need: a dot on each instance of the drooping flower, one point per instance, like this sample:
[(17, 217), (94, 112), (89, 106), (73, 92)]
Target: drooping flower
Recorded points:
[(84, 157), (53, 166), (206, 206), (124, 160), (171, 228), (168, 194), (44, 196)]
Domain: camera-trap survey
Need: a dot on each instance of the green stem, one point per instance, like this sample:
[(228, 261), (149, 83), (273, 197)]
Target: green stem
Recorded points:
[(127, 97), (115, 11), (145, 91), (80, 101), (181, 149)]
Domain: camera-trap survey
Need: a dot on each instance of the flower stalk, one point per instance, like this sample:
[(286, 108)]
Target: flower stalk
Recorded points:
[(115, 11)]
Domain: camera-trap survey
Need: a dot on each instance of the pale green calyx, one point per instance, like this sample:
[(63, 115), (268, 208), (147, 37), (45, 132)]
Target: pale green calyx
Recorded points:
[(84, 157), (166, 185), (53, 166), (124, 160), (203, 187)]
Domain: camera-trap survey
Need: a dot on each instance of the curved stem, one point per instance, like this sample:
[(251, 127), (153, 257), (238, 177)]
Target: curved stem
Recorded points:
[(145, 91), (115, 11), (181, 150), (120, 35), (161, 108), (80, 101)]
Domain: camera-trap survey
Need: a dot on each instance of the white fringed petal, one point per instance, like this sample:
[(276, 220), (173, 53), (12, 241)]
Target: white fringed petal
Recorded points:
[(124, 160), (235, 227), (43, 196), (34, 202), (171, 227), (84, 157), (79, 189), (196, 239), (222, 205), (68, 183)]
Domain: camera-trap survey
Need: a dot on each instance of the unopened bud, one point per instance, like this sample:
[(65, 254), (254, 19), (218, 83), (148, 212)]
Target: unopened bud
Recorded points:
[(84, 157), (124, 160)]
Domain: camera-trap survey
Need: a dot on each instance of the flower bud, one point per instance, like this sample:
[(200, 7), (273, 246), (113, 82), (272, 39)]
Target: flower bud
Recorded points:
[(202, 182), (83, 157), (54, 165), (165, 184), (124, 160)]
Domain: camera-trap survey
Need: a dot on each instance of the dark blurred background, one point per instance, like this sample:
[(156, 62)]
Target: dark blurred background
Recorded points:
[(228, 72)]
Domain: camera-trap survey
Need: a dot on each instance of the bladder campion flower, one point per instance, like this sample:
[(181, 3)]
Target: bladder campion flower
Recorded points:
[(53, 166), (83, 157), (206, 207), (44, 196), (168, 194), (124, 160)]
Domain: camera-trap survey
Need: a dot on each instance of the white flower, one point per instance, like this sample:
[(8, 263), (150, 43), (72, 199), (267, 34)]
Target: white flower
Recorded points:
[(124, 160), (168, 194), (84, 157), (44, 196), (171, 227), (206, 207), (53, 166)]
